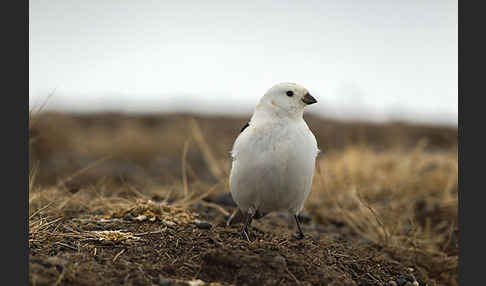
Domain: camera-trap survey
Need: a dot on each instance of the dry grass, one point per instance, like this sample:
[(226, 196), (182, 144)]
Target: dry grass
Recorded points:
[(397, 198), (399, 194)]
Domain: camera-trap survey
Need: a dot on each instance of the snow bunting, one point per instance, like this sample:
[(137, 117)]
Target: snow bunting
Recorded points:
[(274, 157)]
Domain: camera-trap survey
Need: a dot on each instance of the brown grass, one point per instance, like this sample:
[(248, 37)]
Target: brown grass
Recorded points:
[(394, 185)]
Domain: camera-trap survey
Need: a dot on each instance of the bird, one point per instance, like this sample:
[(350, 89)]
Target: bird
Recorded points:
[(273, 157)]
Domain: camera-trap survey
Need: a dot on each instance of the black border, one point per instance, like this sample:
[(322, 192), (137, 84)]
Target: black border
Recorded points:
[(471, 205), (15, 115), (23, 191)]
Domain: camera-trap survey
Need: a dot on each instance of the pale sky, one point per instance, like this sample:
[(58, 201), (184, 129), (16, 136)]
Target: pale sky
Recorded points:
[(374, 60)]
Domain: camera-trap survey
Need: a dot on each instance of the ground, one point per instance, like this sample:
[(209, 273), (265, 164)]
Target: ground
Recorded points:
[(143, 200)]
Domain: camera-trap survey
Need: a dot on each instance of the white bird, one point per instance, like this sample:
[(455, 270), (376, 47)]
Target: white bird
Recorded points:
[(274, 157)]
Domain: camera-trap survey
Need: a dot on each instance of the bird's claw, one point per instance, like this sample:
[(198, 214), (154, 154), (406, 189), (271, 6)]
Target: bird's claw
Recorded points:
[(245, 234), (298, 235)]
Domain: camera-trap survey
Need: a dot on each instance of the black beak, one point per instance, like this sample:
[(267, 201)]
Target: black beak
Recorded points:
[(308, 99)]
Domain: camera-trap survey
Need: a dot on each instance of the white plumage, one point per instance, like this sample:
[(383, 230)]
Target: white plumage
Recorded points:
[(274, 156)]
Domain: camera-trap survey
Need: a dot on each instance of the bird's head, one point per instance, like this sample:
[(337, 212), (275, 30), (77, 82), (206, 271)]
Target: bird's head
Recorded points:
[(286, 99)]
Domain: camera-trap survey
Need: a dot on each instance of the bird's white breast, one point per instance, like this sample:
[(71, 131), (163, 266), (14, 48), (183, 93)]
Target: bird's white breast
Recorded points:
[(273, 166)]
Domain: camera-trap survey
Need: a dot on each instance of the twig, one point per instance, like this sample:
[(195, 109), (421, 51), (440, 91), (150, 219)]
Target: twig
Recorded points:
[(82, 170), (151, 232), (119, 253), (184, 173), (32, 176), (292, 275), (66, 245), (215, 206), (374, 279), (33, 112), (41, 209), (206, 151), (378, 220), (61, 276), (132, 188), (200, 197), (46, 225)]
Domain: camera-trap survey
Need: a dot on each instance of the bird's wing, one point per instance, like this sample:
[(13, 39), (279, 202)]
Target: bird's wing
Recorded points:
[(244, 127), (238, 140)]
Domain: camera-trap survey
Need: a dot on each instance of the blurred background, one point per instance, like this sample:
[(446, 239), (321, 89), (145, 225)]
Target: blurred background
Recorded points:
[(363, 60), (137, 90)]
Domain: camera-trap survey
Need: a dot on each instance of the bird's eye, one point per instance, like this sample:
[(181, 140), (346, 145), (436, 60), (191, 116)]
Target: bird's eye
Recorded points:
[(290, 93)]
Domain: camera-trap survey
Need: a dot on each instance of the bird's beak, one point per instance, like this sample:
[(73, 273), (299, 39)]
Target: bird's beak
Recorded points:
[(308, 99)]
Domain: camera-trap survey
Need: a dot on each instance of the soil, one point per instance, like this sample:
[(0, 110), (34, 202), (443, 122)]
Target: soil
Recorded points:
[(164, 253)]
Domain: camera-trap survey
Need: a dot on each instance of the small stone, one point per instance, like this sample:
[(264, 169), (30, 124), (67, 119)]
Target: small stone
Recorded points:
[(415, 283), (401, 281), (408, 283), (141, 217), (169, 223), (197, 282), (202, 224), (259, 251), (408, 277), (392, 283)]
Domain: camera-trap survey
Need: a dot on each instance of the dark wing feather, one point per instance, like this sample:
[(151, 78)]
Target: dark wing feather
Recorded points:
[(244, 127)]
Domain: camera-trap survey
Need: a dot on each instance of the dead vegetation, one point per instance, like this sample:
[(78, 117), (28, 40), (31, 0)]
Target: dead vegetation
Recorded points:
[(117, 198)]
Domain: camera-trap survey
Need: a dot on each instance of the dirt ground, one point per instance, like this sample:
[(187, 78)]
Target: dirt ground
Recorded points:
[(142, 200)]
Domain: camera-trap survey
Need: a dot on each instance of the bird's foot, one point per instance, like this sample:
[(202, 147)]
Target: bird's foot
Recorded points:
[(298, 235), (246, 235), (249, 218)]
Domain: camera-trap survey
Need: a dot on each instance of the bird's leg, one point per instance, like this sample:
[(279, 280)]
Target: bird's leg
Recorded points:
[(300, 233), (249, 218)]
